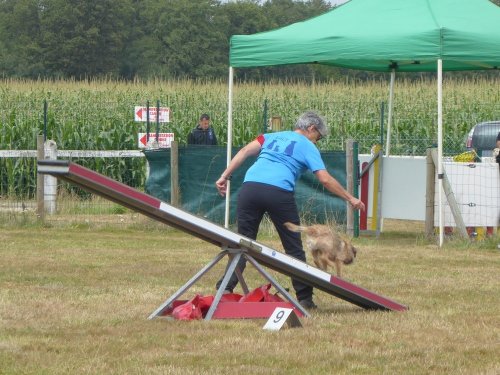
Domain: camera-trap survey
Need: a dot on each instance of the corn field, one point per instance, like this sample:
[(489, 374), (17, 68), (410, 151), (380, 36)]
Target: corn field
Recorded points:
[(99, 115)]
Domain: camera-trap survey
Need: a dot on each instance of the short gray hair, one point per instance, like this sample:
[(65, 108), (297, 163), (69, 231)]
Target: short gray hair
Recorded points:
[(312, 118)]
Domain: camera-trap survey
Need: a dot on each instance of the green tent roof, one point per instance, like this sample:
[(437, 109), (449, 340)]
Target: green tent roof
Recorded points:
[(378, 35)]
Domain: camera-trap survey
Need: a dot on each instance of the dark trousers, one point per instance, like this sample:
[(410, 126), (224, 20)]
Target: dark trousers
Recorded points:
[(254, 201)]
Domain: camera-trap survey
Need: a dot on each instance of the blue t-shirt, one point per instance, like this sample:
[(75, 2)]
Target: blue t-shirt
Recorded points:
[(284, 156)]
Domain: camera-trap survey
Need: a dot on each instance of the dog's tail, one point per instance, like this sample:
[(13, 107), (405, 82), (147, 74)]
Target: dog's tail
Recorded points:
[(294, 228)]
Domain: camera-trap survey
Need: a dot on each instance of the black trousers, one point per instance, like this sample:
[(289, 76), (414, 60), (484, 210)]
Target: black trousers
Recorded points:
[(254, 200)]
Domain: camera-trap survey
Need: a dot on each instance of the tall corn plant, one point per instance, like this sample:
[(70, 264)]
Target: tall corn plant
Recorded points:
[(98, 115)]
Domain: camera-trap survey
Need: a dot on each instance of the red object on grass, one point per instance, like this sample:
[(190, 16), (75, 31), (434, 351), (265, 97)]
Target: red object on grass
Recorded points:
[(258, 303), (189, 310), (256, 295), (251, 310), (230, 297)]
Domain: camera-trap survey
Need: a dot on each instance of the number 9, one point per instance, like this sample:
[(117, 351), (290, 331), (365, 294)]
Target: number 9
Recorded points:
[(278, 317)]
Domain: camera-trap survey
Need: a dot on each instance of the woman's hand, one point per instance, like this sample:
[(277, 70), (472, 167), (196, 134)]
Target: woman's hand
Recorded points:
[(357, 204), (251, 149), (221, 185)]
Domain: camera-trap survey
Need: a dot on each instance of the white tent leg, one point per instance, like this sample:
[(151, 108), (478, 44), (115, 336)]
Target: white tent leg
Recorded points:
[(389, 116), (229, 143), (440, 150)]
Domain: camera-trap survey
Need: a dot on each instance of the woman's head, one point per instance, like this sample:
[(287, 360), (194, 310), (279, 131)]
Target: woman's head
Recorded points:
[(311, 118)]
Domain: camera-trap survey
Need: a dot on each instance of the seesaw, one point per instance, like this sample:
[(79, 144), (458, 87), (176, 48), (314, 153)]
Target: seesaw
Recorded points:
[(232, 244)]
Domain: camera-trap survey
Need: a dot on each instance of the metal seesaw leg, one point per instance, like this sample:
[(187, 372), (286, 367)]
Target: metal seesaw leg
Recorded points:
[(194, 279), (231, 252), (229, 271), (287, 295), (234, 255), (241, 280)]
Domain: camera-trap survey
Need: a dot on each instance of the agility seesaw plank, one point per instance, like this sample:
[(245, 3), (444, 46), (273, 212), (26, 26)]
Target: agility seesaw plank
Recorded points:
[(215, 234)]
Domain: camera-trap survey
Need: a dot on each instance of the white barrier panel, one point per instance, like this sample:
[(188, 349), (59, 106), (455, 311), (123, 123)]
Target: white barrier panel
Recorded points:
[(403, 187), (476, 187), (404, 183)]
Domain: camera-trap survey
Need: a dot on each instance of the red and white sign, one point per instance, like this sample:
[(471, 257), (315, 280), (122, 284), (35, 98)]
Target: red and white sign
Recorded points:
[(141, 114), (164, 139)]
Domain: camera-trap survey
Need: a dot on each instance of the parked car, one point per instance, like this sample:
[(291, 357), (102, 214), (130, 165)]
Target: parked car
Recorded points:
[(482, 137)]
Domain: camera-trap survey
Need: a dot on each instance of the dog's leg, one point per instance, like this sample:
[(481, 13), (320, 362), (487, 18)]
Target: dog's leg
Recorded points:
[(316, 262), (321, 264), (338, 265)]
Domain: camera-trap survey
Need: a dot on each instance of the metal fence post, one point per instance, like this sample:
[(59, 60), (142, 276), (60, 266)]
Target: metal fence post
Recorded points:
[(382, 109), (429, 195), (350, 185), (174, 174), (355, 181), (45, 110)]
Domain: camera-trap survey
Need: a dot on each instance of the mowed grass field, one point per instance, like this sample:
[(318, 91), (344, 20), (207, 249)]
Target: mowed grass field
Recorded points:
[(75, 300)]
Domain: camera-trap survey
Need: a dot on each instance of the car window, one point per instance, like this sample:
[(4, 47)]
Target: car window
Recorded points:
[(483, 136)]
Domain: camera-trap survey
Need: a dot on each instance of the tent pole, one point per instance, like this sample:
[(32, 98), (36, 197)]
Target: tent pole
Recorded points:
[(229, 142), (389, 115), (440, 150)]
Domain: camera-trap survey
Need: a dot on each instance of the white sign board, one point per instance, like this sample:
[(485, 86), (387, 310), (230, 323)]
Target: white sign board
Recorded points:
[(403, 187), (141, 114), (164, 139), (279, 317)]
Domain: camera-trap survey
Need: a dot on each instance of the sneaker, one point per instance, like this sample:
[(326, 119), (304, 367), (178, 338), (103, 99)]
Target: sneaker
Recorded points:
[(308, 303)]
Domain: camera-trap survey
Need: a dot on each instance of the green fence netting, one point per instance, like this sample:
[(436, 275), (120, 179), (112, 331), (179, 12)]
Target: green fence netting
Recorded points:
[(200, 166)]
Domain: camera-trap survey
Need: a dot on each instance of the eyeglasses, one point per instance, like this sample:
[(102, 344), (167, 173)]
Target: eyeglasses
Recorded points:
[(319, 135)]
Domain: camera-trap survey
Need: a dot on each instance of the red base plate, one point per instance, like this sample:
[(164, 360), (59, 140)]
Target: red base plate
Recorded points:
[(241, 310)]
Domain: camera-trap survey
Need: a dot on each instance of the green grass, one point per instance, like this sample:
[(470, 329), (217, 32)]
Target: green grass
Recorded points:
[(76, 300)]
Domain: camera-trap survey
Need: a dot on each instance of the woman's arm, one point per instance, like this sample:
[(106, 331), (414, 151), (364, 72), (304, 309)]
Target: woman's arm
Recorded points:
[(251, 149), (334, 187)]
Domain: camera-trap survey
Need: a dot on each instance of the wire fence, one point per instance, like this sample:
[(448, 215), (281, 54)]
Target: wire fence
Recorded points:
[(76, 206)]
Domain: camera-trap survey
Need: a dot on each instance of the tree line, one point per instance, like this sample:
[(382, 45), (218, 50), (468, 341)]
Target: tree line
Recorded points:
[(144, 39), (129, 39)]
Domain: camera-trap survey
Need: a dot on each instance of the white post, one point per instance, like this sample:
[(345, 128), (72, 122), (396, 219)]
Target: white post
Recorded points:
[(229, 143), (40, 180), (440, 150), (50, 182), (389, 115)]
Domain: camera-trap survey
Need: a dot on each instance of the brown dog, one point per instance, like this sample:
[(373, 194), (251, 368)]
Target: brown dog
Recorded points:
[(326, 246)]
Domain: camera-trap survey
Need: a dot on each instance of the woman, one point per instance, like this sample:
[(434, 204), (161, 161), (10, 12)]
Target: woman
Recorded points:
[(269, 187)]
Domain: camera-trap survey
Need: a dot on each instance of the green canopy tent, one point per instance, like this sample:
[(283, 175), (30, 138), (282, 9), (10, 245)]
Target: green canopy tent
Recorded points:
[(382, 35)]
